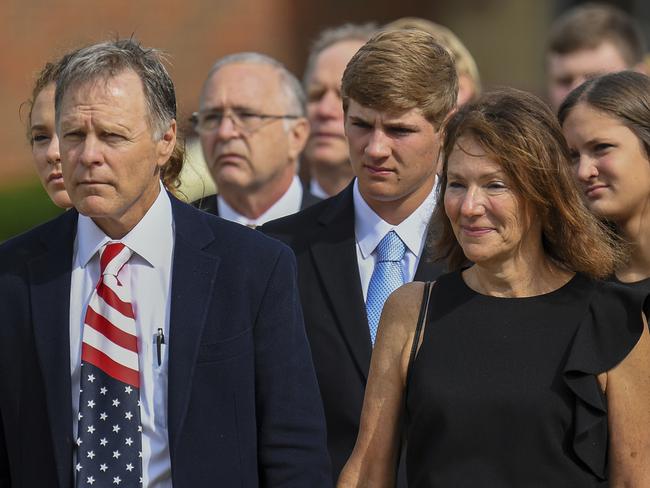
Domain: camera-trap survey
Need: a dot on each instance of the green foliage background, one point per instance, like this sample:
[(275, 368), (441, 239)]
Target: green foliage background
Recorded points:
[(23, 207)]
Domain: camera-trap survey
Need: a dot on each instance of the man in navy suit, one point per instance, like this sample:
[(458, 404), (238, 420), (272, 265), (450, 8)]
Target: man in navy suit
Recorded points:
[(397, 91), (227, 391)]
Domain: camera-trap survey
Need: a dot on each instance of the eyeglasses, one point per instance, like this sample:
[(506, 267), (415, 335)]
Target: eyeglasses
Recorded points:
[(244, 120)]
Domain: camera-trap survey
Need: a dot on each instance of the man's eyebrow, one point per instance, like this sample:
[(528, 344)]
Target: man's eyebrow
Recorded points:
[(241, 108), (400, 125)]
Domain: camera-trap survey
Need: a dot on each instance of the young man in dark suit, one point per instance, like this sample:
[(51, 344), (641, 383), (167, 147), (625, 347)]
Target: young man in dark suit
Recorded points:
[(144, 342), (397, 90)]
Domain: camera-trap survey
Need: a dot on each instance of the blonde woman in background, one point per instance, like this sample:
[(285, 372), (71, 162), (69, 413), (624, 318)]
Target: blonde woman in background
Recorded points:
[(606, 121), (42, 134)]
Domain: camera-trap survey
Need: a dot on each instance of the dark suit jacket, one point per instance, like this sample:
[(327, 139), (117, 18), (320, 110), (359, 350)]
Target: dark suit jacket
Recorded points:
[(209, 203), (323, 239), (244, 408)]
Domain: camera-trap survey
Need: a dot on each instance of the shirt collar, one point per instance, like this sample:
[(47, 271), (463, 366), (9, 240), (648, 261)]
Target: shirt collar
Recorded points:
[(149, 239), (317, 190), (287, 204), (370, 228)]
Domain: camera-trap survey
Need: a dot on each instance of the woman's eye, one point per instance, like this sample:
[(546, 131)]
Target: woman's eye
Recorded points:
[(40, 138), (602, 147), (496, 185)]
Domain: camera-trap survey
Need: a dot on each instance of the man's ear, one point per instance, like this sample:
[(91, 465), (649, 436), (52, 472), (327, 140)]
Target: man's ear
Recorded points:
[(298, 135), (166, 144)]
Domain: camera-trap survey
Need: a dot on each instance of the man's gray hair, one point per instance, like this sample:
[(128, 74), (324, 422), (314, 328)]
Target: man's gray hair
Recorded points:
[(108, 59), (292, 88), (334, 35)]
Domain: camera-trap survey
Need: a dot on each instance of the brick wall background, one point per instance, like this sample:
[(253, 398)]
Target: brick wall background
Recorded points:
[(505, 36)]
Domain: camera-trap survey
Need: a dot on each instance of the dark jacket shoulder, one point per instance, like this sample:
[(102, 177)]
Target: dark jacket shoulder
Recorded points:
[(229, 238), (35, 241), (312, 219)]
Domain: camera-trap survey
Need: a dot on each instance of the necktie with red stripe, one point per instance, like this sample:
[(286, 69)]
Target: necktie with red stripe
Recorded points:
[(109, 437)]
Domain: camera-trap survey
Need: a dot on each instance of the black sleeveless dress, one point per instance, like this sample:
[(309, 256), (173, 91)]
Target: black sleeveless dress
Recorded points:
[(643, 285), (503, 391)]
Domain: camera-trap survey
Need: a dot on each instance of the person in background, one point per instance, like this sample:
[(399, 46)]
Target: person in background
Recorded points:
[(145, 342), (42, 136), (525, 368), (356, 247), (252, 126), (587, 41), (325, 162), (606, 122), (469, 80)]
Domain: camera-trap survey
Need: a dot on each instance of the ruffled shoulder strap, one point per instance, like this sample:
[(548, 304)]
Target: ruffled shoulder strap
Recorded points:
[(609, 330)]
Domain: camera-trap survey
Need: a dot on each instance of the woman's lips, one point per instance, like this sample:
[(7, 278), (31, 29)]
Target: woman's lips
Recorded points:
[(55, 177), (475, 231), (595, 190)]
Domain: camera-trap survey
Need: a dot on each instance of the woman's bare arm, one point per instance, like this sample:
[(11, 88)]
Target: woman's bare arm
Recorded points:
[(628, 400), (373, 461)]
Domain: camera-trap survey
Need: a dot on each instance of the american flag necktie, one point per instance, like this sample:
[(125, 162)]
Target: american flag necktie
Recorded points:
[(109, 444)]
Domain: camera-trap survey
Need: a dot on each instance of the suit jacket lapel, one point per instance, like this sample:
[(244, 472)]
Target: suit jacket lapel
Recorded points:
[(334, 254), (50, 275), (194, 274)]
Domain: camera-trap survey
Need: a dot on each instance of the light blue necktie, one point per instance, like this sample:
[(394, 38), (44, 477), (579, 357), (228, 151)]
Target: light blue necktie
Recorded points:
[(386, 277)]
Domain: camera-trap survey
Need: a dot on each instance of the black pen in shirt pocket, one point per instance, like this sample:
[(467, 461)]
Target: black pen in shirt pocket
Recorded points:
[(159, 340)]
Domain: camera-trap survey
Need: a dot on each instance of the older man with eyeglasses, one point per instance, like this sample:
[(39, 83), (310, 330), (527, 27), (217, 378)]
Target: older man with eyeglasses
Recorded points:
[(252, 128)]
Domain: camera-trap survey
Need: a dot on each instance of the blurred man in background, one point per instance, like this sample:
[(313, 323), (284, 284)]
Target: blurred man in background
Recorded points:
[(587, 41), (252, 127), (325, 163)]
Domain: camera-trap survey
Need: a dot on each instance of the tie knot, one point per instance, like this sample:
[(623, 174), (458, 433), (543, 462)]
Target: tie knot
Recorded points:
[(112, 257), (390, 248)]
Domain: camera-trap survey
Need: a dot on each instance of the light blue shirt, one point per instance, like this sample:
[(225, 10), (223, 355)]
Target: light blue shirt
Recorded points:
[(370, 228)]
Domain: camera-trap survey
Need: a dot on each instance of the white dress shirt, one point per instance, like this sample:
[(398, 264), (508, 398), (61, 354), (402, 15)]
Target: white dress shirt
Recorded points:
[(288, 204), (317, 190), (370, 229), (149, 273)]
